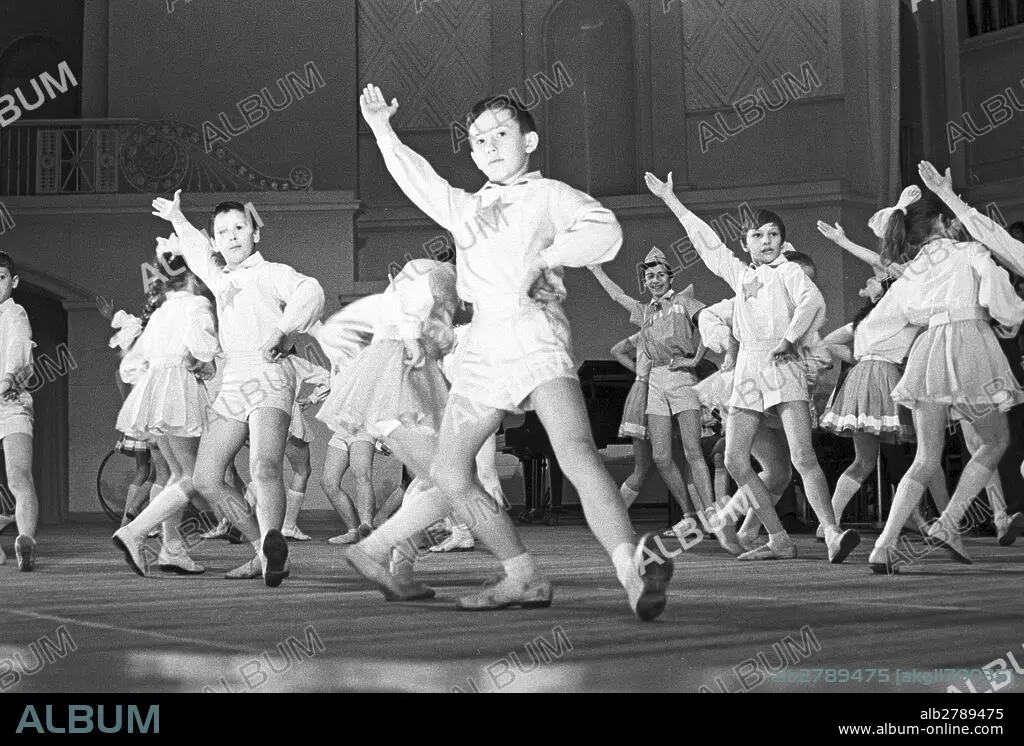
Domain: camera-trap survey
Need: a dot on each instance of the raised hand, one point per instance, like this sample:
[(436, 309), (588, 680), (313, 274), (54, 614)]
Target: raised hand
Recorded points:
[(941, 184), (169, 210), (834, 234), (659, 188), (105, 306), (376, 110)]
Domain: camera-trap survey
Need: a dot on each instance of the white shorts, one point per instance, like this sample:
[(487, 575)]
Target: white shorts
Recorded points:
[(249, 385), (342, 442)]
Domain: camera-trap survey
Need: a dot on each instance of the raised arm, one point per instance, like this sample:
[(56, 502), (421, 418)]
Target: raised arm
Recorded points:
[(193, 243), (837, 235), (617, 294), (413, 174), (982, 228), (996, 292), (715, 254)]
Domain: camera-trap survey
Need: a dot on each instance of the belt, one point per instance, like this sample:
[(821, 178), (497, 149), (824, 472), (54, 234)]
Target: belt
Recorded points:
[(875, 359), (761, 345), (958, 314)]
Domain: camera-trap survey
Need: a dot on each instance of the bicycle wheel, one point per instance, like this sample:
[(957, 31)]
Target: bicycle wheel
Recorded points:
[(113, 478)]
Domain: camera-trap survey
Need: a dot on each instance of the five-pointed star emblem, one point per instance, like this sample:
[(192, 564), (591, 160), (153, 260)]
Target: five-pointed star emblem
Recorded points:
[(227, 296), (750, 288)]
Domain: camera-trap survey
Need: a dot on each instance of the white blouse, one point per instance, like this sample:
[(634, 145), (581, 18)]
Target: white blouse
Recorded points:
[(184, 325)]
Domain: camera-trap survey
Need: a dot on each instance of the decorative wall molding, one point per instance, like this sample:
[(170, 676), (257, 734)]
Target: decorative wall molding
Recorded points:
[(733, 47), (434, 57), (119, 204), (161, 156)]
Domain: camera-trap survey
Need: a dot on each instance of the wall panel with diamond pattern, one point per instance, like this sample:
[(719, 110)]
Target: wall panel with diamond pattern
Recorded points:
[(433, 55), (732, 47)]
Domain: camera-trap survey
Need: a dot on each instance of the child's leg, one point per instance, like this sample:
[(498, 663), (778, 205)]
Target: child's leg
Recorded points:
[(644, 571), (796, 421), (18, 462), (643, 458), (771, 451), (659, 428), (689, 431), (268, 433), (994, 488), (138, 490), (217, 450), (930, 428), (335, 466), (360, 455), (743, 426), (865, 461), (296, 451), (993, 431)]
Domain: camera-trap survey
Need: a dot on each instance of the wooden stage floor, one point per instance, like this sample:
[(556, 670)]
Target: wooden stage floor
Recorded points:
[(108, 630)]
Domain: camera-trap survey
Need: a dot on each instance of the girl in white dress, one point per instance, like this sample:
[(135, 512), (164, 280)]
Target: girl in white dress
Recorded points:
[(168, 403)]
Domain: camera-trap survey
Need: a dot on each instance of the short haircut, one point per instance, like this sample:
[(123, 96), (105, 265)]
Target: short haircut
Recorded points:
[(225, 207), (763, 217), (506, 103), (8, 262), (1018, 227)]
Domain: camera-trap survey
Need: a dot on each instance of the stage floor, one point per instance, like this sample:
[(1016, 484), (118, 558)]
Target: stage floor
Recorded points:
[(82, 622)]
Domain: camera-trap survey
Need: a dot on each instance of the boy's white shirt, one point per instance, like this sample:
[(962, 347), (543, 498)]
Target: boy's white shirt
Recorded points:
[(183, 325), (501, 229), (773, 301), (256, 299), (16, 343)]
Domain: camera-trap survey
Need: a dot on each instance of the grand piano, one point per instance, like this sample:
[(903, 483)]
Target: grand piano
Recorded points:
[(605, 385)]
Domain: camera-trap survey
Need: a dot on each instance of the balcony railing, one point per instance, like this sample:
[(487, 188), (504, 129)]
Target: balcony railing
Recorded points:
[(98, 156), (989, 16), (61, 156)]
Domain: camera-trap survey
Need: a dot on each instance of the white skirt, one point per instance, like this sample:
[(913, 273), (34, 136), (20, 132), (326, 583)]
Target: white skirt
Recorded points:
[(168, 401)]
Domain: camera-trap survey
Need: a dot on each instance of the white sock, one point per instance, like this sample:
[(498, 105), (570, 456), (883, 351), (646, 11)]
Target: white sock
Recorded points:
[(421, 508), (994, 488), (908, 495), (627, 572), (629, 495), (155, 490), (293, 505), (846, 488), (781, 539), (250, 495), (972, 481), (520, 570)]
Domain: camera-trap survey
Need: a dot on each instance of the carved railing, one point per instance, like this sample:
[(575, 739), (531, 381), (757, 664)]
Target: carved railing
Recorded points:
[(988, 16), (97, 156)]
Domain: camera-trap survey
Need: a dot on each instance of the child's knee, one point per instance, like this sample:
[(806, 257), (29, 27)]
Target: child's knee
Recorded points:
[(738, 465), (804, 459), (451, 480), (266, 469)]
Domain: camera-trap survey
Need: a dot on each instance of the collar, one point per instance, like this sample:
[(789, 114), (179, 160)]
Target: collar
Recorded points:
[(777, 263), (666, 297), (525, 178), (254, 259), (7, 305)]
